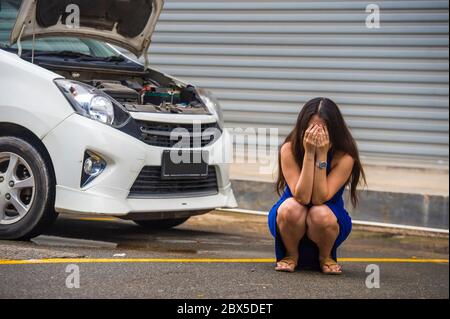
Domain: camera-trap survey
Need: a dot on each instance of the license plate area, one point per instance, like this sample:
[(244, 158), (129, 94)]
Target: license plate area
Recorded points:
[(178, 165)]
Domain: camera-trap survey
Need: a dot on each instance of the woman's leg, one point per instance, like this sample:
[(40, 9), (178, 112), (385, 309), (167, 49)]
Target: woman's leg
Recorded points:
[(323, 229), (291, 223)]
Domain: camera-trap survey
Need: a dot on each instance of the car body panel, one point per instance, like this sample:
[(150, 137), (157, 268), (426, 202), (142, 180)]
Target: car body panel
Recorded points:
[(125, 157), (29, 97), (102, 21)]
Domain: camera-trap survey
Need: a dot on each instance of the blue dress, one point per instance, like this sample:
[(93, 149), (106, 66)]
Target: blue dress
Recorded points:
[(308, 251)]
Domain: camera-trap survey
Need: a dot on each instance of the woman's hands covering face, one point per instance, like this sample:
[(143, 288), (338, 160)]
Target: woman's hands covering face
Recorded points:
[(322, 142), (316, 140), (310, 138)]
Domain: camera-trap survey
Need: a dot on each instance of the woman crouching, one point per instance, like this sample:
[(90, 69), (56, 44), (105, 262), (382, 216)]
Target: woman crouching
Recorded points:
[(317, 161)]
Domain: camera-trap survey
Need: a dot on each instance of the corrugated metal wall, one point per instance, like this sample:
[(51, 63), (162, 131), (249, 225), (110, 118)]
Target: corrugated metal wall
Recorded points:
[(264, 59)]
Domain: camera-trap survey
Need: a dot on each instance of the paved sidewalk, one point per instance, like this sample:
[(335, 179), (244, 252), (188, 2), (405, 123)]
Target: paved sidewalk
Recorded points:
[(382, 176), (406, 193)]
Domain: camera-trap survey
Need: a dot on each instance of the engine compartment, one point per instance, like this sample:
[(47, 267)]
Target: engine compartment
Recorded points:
[(149, 91)]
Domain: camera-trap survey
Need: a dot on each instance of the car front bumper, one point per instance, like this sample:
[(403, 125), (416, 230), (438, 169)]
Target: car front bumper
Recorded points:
[(126, 156)]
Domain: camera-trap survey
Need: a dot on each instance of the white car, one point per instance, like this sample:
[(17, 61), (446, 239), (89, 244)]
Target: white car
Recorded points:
[(84, 129)]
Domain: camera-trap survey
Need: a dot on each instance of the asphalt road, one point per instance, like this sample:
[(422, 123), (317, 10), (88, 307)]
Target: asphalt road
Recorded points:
[(219, 255)]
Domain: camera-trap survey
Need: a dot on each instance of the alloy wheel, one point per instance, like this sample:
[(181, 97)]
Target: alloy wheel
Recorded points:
[(17, 188)]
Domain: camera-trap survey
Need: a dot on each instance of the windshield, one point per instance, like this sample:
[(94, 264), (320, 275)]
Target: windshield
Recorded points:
[(8, 14)]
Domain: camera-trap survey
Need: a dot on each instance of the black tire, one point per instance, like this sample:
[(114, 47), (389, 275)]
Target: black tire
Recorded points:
[(41, 213), (161, 224)]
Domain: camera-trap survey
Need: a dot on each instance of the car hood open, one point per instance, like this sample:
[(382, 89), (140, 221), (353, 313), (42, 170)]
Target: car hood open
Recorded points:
[(126, 23)]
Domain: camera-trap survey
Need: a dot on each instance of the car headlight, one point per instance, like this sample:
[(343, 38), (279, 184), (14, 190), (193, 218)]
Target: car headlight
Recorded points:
[(212, 104), (93, 103)]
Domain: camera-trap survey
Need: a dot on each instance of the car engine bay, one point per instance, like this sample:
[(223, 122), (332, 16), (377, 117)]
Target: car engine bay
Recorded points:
[(149, 91)]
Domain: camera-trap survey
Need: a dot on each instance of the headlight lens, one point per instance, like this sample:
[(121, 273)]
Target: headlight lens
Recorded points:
[(102, 109), (212, 104), (93, 103)]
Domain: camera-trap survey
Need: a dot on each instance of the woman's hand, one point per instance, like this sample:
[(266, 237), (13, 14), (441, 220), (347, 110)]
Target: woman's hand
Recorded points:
[(310, 140), (322, 142)]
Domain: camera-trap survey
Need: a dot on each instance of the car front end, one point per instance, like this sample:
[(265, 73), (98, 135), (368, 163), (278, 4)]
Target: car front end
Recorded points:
[(127, 140), (118, 171)]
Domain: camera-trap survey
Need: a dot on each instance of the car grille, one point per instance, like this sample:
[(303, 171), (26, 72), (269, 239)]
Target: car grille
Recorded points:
[(150, 185), (159, 134)]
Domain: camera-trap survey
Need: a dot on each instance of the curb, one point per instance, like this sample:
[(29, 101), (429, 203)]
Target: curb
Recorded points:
[(394, 229), (421, 210)]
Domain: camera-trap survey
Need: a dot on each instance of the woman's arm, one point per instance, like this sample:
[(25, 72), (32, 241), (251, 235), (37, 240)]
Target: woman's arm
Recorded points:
[(325, 187), (300, 181)]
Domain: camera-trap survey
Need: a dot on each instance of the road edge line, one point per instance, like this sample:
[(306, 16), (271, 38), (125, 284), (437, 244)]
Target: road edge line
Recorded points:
[(204, 260)]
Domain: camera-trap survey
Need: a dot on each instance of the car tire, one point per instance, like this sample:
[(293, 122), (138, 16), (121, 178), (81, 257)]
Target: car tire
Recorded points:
[(161, 224), (25, 212)]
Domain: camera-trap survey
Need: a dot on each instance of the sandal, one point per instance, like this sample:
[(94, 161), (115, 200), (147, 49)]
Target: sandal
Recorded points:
[(329, 262), (290, 262)]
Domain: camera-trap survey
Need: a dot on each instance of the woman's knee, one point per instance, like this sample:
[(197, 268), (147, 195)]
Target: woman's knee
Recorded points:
[(321, 217), (292, 212)]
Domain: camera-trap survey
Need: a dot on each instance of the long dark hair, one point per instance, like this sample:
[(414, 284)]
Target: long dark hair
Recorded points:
[(340, 139)]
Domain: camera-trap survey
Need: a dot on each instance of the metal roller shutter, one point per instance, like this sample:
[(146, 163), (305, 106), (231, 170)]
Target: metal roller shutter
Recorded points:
[(264, 59)]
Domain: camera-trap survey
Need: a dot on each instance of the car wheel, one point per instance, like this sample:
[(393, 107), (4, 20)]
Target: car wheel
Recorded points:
[(161, 224), (27, 190)]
